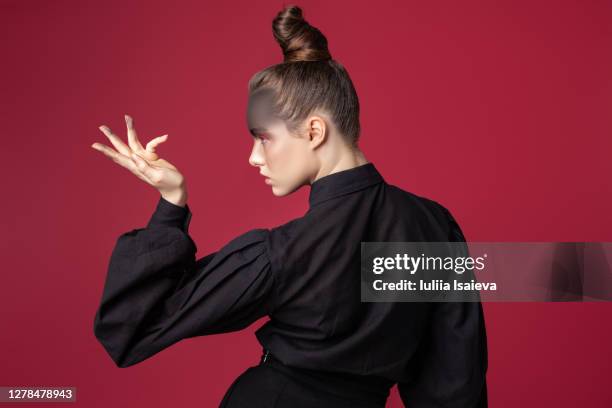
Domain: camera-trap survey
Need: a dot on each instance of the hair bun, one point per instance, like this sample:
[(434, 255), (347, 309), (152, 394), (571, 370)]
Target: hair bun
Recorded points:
[(299, 40)]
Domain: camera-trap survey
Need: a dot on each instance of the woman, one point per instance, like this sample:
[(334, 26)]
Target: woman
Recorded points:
[(322, 346)]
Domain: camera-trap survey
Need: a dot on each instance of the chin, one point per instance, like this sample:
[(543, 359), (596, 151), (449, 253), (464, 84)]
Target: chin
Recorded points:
[(279, 191)]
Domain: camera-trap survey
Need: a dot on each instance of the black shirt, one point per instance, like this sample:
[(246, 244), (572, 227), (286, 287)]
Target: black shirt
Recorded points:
[(304, 275)]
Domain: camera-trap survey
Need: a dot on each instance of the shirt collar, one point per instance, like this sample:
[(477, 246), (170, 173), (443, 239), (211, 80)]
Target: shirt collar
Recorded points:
[(343, 182)]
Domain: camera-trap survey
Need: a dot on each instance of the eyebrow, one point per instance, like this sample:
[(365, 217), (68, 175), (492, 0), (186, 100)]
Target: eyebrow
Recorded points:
[(254, 131)]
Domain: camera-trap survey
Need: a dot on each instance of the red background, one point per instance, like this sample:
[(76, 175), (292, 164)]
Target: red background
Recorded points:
[(501, 112)]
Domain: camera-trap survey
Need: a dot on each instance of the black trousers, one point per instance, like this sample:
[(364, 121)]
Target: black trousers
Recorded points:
[(271, 384)]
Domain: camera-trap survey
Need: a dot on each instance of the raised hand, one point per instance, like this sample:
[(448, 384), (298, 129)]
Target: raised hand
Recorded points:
[(145, 163)]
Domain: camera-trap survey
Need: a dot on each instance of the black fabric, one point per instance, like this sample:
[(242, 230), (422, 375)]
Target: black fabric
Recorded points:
[(304, 275), (274, 384)]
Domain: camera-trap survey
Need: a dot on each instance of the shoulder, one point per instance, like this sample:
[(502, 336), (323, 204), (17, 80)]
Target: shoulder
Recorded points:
[(248, 238), (414, 202), (428, 208)]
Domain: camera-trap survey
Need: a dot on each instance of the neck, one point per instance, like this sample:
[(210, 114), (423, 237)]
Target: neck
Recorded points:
[(348, 158)]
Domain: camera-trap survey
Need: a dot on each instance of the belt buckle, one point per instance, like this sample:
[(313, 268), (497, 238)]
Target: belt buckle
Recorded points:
[(265, 356)]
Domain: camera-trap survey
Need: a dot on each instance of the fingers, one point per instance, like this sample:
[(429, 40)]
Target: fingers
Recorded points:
[(133, 156), (116, 141), (108, 152), (133, 141), (122, 160), (152, 145)]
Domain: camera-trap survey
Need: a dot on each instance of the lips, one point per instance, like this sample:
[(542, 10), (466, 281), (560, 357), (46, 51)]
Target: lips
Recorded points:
[(267, 179)]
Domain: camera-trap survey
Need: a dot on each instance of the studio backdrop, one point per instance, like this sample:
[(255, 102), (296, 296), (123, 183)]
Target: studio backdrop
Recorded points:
[(500, 111)]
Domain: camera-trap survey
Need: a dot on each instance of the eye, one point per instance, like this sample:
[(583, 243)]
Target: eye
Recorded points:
[(263, 138)]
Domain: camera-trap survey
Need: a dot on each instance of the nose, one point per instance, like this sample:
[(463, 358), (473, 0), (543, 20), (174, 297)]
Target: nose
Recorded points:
[(256, 158)]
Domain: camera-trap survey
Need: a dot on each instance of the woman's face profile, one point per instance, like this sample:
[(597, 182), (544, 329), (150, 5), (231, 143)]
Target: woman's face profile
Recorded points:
[(282, 157)]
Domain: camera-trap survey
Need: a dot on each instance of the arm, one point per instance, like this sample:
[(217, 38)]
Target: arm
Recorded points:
[(157, 293), (452, 356)]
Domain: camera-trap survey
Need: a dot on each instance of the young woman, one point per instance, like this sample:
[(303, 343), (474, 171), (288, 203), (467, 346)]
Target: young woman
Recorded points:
[(322, 346)]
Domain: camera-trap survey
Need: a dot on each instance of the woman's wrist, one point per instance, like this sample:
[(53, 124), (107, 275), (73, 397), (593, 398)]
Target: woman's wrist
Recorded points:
[(176, 197)]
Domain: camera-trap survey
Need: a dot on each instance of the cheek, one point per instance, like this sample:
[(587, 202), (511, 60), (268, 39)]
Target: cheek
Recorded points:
[(285, 159)]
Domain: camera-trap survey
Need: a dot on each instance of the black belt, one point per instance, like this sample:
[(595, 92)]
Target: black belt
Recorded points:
[(360, 388)]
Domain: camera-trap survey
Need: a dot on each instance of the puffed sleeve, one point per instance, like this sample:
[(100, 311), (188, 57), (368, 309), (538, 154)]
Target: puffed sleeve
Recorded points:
[(453, 355), (157, 293)]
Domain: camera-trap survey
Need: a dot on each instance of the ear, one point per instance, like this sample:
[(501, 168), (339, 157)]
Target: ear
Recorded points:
[(316, 129)]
